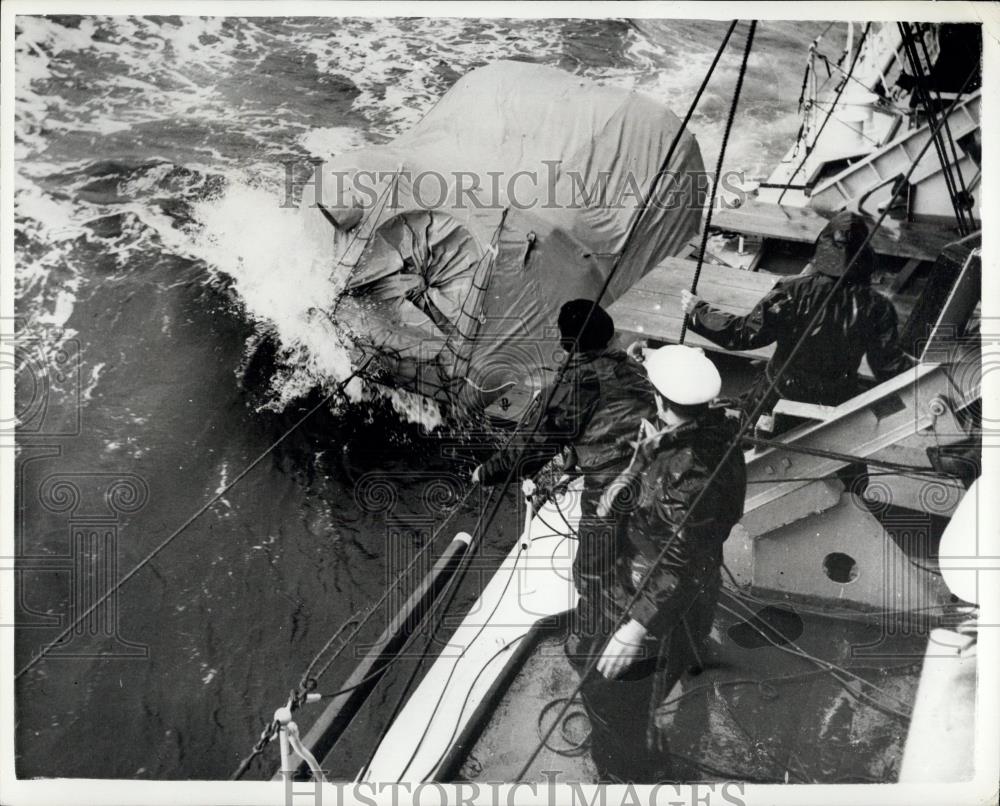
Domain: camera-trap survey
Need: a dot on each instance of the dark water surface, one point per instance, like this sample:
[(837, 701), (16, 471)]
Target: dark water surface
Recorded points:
[(151, 255)]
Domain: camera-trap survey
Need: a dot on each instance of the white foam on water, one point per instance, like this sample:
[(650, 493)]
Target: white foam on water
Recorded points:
[(332, 140), (282, 272)]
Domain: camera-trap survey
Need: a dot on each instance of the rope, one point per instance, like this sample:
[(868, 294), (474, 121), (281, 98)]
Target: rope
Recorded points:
[(920, 89), (176, 533), (829, 112), (654, 184), (269, 732), (296, 742), (718, 167), (647, 577), (834, 669), (450, 590), (842, 457), (947, 125), (926, 89), (575, 748)]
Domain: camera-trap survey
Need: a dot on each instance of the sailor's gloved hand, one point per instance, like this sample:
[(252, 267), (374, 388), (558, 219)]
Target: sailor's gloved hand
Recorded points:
[(688, 301), (624, 649), (477, 475), (637, 350)]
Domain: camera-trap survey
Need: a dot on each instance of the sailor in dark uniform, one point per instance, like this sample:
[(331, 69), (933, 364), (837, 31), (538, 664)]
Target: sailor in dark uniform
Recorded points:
[(855, 321), (671, 517), (592, 413)]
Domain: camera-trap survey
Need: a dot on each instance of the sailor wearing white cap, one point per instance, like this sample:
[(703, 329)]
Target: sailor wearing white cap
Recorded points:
[(685, 377), (674, 506)]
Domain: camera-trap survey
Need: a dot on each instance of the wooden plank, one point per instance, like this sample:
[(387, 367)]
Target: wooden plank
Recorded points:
[(668, 304), (797, 224), (651, 308), (639, 323), (681, 272), (803, 224)]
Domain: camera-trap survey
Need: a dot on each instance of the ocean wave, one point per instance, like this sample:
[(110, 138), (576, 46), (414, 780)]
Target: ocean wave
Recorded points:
[(138, 136)]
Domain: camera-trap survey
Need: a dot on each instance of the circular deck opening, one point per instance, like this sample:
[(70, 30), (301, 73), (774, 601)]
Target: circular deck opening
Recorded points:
[(841, 568)]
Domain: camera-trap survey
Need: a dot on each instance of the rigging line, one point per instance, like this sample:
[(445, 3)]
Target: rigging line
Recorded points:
[(373, 608), (564, 365), (923, 93), (451, 589), (793, 648), (653, 187), (840, 457), (829, 113), (454, 667), (647, 577), (177, 532), (920, 91), (947, 129), (835, 672), (453, 586), (914, 60), (706, 225)]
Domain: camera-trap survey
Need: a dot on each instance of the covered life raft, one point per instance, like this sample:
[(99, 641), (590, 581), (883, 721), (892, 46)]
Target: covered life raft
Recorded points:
[(459, 240)]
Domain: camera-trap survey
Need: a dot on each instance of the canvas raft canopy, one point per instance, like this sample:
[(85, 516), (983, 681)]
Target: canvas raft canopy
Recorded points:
[(514, 194)]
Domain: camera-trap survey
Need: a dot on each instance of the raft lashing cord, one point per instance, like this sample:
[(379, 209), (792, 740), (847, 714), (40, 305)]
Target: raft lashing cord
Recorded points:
[(306, 689), (647, 577), (654, 184), (718, 169), (459, 574)]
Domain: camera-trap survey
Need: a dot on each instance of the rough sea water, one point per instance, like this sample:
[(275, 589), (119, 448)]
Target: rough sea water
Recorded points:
[(153, 259)]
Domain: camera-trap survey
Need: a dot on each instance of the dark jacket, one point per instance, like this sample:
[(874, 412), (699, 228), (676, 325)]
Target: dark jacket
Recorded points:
[(596, 408), (856, 321), (658, 492)]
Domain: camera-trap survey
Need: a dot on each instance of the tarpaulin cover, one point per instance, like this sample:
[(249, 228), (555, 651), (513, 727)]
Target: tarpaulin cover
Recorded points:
[(546, 166)]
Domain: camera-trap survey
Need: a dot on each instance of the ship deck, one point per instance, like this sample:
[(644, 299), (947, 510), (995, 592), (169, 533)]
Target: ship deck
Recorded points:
[(775, 716)]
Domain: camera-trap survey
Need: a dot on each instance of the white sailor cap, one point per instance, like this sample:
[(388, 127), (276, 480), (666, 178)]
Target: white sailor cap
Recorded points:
[(683, 375)]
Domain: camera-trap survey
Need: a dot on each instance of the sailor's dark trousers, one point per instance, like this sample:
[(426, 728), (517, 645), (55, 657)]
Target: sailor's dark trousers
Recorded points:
[(625, 742)]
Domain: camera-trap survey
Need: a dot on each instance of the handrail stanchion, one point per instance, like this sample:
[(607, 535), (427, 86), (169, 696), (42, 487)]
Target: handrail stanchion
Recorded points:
[(283, 716), (528, 488)]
